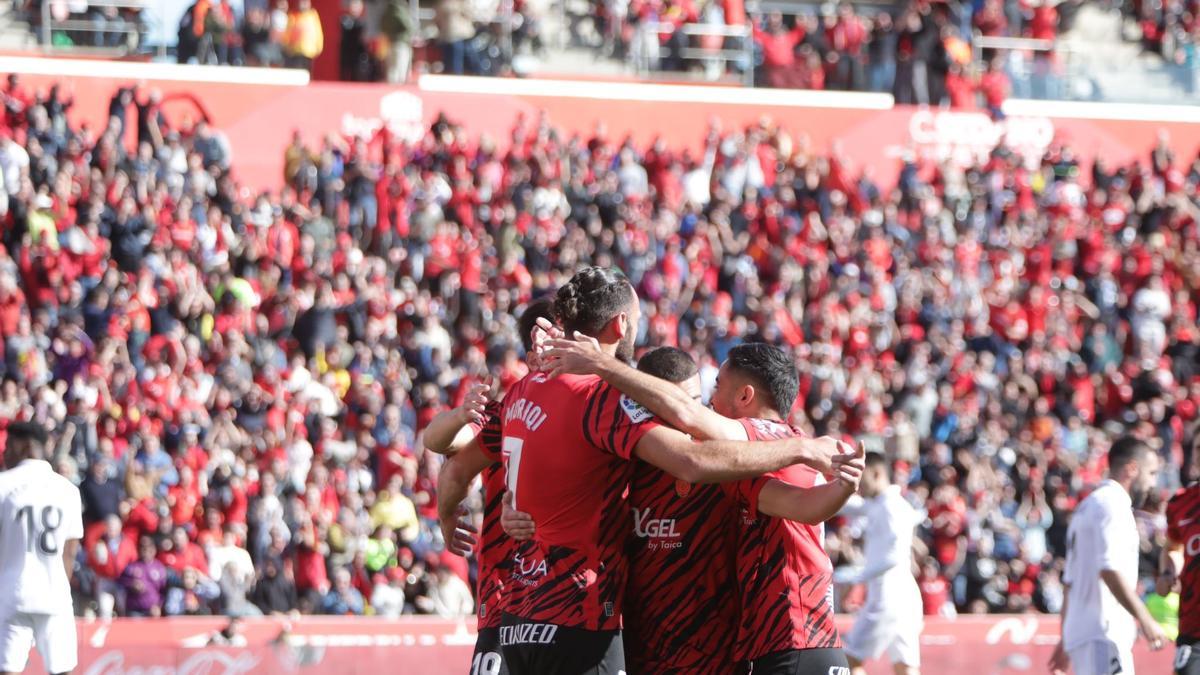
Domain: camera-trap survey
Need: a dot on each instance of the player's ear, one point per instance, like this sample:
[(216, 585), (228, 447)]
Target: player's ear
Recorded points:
[(621, 325), (746, 395)]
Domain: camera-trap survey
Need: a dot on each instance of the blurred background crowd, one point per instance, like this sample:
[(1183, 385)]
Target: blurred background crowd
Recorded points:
[(951, 52), (239, 382)]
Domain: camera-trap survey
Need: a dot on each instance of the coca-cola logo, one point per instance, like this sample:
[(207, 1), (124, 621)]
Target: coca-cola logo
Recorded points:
[(201, 663), (969, 137)]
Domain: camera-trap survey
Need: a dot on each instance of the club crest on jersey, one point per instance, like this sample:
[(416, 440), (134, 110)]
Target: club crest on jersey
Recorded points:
[(634, 410), (683, 488)]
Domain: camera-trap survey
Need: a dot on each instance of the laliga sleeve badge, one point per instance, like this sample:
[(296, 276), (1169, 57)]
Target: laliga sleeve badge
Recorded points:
[(634, 410), (683, 488)]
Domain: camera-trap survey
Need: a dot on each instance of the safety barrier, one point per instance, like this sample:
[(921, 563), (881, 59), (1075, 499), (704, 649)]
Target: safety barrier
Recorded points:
[(968, 644)]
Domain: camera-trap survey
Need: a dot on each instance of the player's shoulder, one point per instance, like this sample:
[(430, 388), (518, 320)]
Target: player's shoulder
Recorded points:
[(1184, 498), (761, 429)]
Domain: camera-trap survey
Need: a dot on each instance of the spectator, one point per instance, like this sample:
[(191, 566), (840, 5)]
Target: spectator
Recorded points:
[(387, 599), (995, 87), (342, 599), (846, 38), (398, 28), (259, 41), (396, 511), (274, 593), (180, 554), (881, 53), (100, 491), (456, 29), (144, 581), (450, 595), (110, 552), (191, 596), (354, 61), (778, 45), (304, 37)]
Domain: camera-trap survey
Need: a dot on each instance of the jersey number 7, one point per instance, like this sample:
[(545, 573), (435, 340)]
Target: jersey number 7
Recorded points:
[(510, 449), (52, 518)]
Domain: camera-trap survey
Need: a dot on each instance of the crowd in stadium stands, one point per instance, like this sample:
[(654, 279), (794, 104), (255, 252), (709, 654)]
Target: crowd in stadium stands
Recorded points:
[(920, 51), (239, 382), (266, 34), (1171, 29)]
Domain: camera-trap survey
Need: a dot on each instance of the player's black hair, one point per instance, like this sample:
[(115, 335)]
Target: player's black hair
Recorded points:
[(542, 308), (27, 431), (874, 459), (1125, 451), (32, 438), (592, 298), (771, 370), (668, 363)]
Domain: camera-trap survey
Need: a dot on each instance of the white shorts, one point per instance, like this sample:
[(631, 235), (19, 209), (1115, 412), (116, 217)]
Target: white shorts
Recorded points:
[(53, 634), (873, 634), (1101, 657)]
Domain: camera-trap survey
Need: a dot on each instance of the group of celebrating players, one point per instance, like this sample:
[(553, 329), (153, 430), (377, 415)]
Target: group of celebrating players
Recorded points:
[(628, 528)]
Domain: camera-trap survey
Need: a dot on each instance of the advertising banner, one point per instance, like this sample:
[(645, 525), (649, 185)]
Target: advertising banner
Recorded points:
[(985, 645)]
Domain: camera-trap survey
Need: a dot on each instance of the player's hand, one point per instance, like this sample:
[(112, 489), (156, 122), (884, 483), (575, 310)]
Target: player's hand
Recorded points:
[(543, 331), (459, 534), (850, 470), (471, 410), (1154, 634), (825, 454), (517, 524), (580, 356), (1060, 663)]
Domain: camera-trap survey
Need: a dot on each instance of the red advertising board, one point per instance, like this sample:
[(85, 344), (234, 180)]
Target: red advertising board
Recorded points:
[(259, 120), (988, 645)]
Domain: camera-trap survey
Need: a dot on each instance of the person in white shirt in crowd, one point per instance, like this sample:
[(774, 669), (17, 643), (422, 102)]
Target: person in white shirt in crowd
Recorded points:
[(41, 523), (387, 597), (891, 619), (1102, 613), (450, 595)]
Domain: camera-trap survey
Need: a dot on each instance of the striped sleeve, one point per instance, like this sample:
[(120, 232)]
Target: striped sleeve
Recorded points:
[(745, 493), (613, 422), (490, 432)]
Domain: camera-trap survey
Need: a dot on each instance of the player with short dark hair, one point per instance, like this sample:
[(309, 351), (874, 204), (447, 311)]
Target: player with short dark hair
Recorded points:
[(566, 443), (782, 571), (41, 523), (1180, 563)]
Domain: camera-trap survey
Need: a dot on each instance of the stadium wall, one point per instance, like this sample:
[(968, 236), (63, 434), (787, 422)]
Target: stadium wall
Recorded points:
[(987, 645), (259, 112)]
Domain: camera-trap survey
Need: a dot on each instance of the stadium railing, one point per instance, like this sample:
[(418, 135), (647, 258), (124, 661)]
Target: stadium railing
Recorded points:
[(714, 59), (1038, 69), (131, 31)]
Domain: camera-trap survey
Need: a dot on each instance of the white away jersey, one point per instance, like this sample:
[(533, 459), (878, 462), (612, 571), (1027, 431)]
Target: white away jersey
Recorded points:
[(887, 546), (39, 512), (1103, 536)]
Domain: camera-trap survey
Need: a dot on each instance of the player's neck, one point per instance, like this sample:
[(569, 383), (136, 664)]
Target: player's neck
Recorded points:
[(610, 349), (765, 413)]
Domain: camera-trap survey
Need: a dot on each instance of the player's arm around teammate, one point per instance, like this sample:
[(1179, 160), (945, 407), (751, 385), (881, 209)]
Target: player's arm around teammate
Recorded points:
[(582, 356), (451, 430)]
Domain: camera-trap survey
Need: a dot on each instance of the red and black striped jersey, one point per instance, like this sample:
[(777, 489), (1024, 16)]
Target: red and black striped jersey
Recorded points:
[(679, 614), (1183, 527), (566, 443), (495, 547), (784, 575)]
